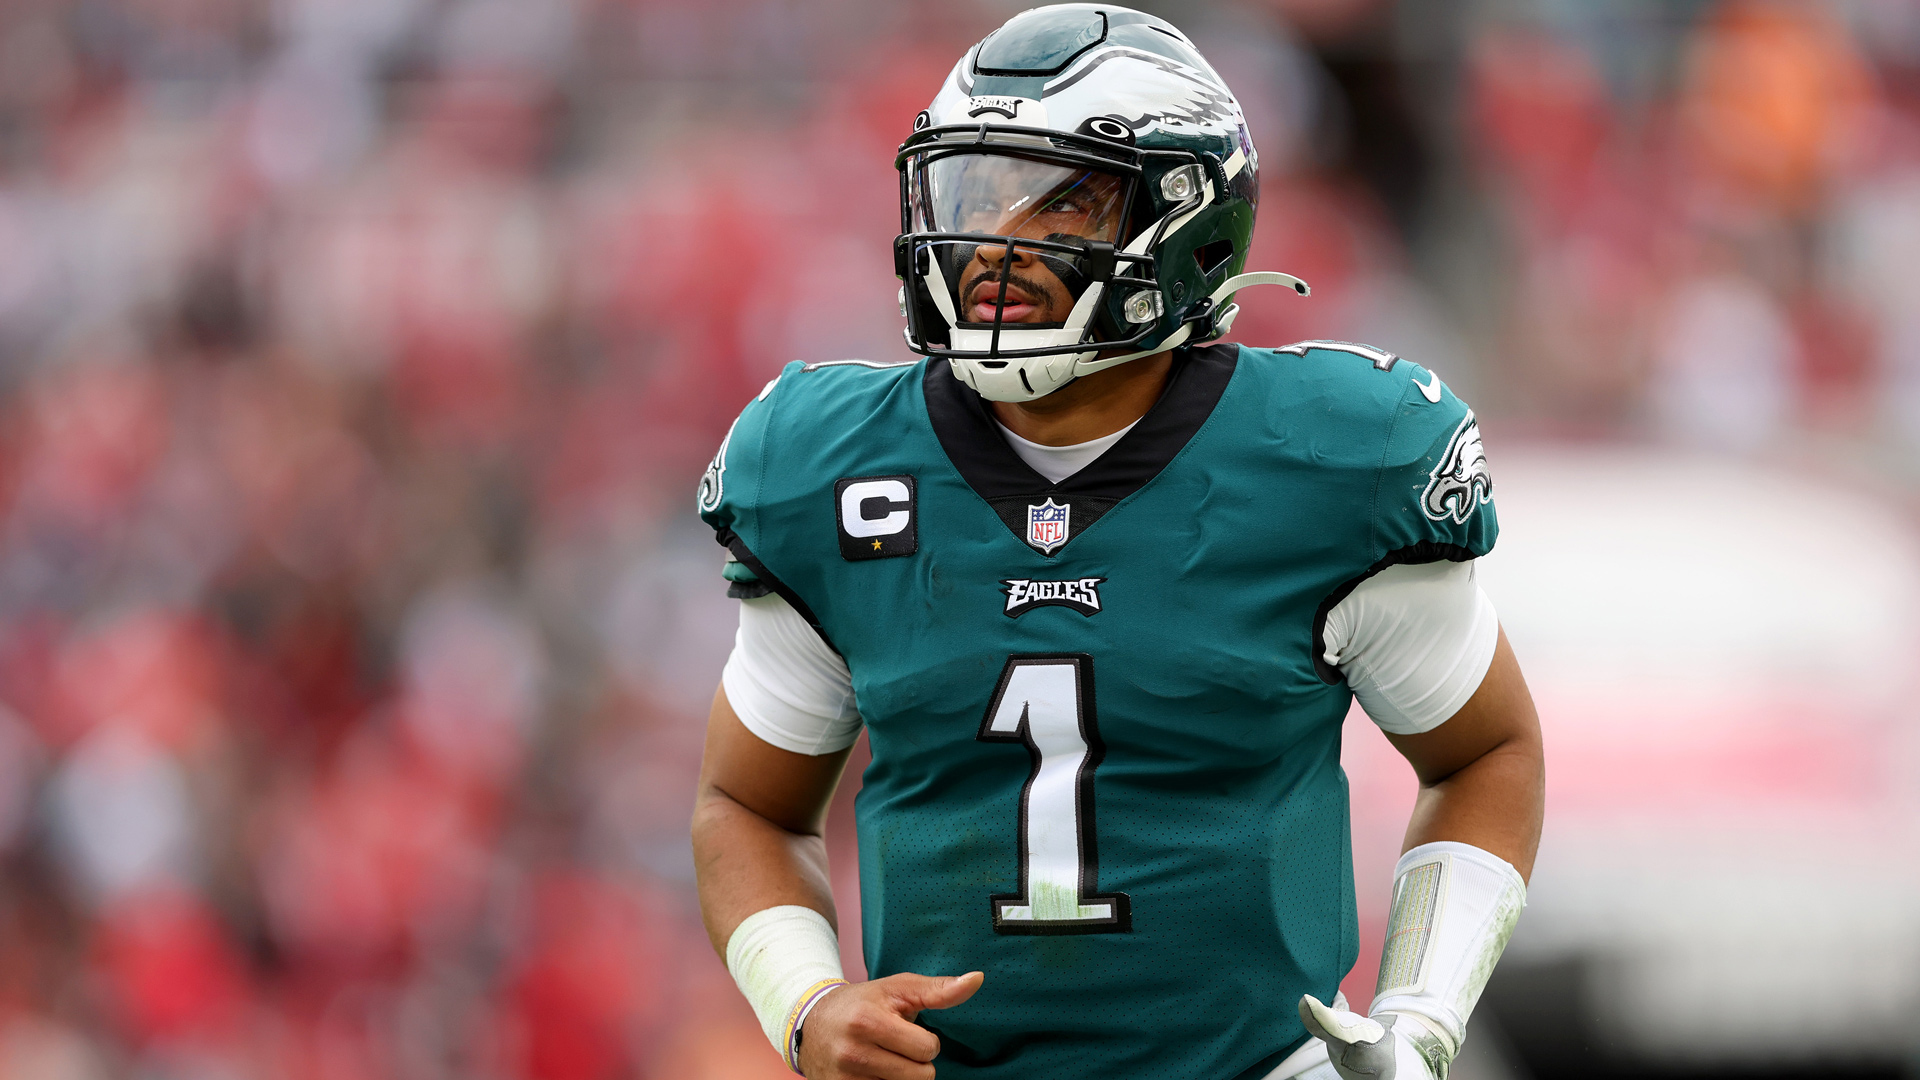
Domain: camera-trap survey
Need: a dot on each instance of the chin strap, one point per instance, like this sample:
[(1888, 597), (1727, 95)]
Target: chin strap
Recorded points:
[(1227, 288)]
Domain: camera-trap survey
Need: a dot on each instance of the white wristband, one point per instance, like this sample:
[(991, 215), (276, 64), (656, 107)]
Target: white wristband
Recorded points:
[(1454, 907), (784, 959)]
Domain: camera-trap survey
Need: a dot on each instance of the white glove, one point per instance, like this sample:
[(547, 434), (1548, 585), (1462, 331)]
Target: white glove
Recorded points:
[(1370, 1048)]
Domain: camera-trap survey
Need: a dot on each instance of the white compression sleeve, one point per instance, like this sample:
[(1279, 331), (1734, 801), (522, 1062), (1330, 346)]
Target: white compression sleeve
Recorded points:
[(784, 959), (785, 683), (1454, 907), (1414, 641)]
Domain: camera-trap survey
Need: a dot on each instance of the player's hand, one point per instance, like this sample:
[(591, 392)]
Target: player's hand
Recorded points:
[(866, 1030), (1363, 1047)]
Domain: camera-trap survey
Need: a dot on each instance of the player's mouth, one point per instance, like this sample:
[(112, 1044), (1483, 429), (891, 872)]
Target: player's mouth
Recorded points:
[(1017, 307)]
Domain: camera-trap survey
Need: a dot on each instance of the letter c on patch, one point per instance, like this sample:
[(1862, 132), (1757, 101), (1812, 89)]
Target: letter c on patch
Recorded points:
[(856, 495)]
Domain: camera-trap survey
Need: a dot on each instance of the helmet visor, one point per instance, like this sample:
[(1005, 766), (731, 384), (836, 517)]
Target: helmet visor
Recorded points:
[(991, 196), (999, 195)]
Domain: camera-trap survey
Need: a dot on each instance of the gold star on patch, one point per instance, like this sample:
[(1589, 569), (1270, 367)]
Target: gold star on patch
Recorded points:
[(876, 545)]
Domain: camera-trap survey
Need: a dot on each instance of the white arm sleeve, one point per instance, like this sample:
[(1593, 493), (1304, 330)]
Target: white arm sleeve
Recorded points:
[(1454, 907), (1414, 641), (784, 959), (785, 683)]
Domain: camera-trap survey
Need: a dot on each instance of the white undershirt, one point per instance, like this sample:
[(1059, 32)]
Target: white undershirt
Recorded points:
[(1414, 641), (1056, 463)]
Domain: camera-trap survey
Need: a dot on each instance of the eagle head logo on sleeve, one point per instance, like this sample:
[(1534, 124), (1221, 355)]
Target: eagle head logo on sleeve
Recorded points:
[(712, 484), (1460, 482)]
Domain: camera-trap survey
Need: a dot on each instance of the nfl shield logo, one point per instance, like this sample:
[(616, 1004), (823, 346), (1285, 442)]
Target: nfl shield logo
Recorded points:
[(1047, 526)]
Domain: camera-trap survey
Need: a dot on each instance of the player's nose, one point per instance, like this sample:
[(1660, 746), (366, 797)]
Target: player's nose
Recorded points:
[(993, 255)]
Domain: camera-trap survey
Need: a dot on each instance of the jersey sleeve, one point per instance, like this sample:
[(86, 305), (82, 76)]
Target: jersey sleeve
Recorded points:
[(741, 493), (1434, 498), (733, 485), (742, 582)]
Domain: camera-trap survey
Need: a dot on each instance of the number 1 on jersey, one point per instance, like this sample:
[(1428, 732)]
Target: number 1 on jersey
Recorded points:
[(1046, 702)]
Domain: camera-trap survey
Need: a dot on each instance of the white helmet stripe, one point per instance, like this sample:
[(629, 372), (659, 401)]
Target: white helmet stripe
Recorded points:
[(1083, 310), (942, 299), (1153, 234)]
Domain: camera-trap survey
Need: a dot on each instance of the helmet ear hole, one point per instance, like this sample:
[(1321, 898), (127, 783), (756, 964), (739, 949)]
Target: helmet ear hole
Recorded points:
[(1213, 256)]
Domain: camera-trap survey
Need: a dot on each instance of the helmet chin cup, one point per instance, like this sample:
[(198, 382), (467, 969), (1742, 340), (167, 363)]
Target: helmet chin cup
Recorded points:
[(1027, 378), (1022, 379)]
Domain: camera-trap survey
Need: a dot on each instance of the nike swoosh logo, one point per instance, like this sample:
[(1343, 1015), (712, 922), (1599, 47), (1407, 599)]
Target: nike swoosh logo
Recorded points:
[(1431, 388)]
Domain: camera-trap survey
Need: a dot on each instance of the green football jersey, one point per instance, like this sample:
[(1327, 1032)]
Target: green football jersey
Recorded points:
[(1106, 749)]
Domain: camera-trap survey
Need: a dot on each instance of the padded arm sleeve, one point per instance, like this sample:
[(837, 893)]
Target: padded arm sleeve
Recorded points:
[(1414, 642), (1454, 907), (786, 685)]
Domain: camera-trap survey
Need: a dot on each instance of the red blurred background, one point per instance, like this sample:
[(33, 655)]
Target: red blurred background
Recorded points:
[(358, 359)]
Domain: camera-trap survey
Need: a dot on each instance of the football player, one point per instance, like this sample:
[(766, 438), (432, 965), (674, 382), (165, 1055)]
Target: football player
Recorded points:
[(1101, 592)]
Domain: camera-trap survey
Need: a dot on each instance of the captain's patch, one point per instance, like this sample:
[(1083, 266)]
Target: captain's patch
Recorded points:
[(1047, 525), (1460, 483), (876, 517), (1080, 594)]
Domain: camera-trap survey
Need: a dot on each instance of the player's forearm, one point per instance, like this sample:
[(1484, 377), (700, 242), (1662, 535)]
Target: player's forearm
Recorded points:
[(744, 863), (1459, 886), (1494, 803)]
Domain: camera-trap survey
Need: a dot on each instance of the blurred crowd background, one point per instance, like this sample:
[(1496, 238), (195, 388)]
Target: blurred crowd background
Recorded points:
[(359, 358)]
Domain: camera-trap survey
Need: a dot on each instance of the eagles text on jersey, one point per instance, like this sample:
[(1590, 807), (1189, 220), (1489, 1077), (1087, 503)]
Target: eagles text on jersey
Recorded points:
[(1106, 752)]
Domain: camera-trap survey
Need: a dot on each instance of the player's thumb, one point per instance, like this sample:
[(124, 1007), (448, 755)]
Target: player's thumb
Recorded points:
[(1358, 1046), (917, 992)]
